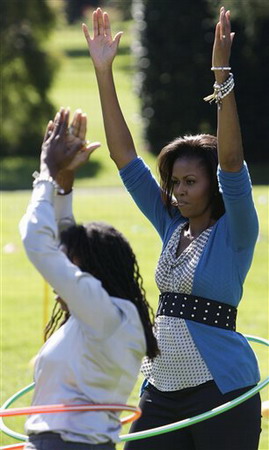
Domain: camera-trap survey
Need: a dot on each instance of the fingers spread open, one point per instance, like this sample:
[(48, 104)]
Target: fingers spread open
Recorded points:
[(227, 23), (64, 119), (222, 23), (95, 23), (117, 37), (217, 32), (49, 130), (82, 127), (107, 27), (88, 150), (93, 146), (57, 123), (86, 32), (100, 21), (75, 124)]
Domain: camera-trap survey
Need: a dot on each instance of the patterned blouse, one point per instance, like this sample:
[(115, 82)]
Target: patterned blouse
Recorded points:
[(179, 364)]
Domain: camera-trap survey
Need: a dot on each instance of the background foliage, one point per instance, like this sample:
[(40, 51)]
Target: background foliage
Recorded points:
[(173, 49), (75, 9), (173, 74), (27, 69), (74, 84)]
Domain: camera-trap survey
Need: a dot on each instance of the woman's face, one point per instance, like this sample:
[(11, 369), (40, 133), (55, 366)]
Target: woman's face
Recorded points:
[(192, 188)]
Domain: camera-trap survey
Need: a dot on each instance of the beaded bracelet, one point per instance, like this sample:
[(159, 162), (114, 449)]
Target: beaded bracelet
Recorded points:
[(39, 178), (221, 68), (220, 91)]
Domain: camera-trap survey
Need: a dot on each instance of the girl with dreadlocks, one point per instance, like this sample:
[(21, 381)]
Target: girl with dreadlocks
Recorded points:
[(106, 329)]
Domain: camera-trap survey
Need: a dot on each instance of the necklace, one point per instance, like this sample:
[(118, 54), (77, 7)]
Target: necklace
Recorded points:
[(187, 234)]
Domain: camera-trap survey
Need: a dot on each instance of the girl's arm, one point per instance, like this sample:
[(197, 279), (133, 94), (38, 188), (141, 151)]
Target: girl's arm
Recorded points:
[(103, 49), (83, 293)]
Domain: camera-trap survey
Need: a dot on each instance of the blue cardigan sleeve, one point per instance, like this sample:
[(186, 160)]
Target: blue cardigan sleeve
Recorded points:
[(146, 193), (241, 215)]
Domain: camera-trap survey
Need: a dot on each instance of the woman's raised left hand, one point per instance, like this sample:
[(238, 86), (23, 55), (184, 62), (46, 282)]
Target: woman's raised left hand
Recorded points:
[(222, 43)]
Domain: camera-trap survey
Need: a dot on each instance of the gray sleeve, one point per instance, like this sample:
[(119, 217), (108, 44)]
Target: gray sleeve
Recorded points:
[(84, 294), (63, 211)]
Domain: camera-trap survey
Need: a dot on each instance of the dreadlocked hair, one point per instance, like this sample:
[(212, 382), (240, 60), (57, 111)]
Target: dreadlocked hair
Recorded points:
[(101, 250), (54, 322)]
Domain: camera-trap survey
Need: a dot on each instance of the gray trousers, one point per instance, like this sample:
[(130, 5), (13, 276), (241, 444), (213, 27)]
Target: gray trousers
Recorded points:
[(53, 441)]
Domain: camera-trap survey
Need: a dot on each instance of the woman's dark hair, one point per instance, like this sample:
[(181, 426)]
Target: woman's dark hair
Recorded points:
[(201, 147), (104, 252)]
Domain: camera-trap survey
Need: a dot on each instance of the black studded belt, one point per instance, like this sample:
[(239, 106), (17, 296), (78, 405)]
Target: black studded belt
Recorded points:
[(199, 309)]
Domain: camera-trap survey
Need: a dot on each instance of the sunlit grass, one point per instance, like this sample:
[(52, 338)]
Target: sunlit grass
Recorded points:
[(22, 295), (23, 289)]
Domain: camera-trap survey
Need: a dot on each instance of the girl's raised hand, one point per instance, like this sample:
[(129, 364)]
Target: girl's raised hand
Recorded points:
[(77, 132), (102, 46), (76, 145)]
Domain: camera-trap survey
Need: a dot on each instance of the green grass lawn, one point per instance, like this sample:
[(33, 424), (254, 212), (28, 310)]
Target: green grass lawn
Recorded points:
[(22, 293), (75, 86), (22, 303)]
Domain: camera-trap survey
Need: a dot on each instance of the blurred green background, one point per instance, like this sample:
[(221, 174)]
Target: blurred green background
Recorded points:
[(163, 72), (45, 64)]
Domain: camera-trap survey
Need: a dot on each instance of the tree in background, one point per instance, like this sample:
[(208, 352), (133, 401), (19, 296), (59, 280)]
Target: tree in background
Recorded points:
[(173, 51), (75, 8), (250, 64), (174, 56), (124, 6), (27, 73)]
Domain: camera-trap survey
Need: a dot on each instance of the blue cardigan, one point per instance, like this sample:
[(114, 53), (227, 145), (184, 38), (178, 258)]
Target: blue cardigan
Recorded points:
[(222, 268)]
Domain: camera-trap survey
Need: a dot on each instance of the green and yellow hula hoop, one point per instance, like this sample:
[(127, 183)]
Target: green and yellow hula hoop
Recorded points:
[(140, 434)]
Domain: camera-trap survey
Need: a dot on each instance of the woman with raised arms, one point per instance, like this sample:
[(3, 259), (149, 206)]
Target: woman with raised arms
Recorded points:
[(204, 213)]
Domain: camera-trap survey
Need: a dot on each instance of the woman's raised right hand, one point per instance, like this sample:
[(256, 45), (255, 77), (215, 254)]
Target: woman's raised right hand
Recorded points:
[(102, 46)]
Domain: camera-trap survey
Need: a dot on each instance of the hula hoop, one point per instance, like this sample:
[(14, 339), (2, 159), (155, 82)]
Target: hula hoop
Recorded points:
[(46, 409), (12, 447), (206, 415), (150, 432)]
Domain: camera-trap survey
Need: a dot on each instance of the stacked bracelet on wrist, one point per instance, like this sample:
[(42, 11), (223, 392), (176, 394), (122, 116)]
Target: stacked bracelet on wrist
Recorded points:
[(39, 178), (221, 90), (222, 68)]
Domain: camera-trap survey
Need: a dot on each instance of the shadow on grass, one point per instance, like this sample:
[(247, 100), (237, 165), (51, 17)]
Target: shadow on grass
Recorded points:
[(16, 172), (79, 52)]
